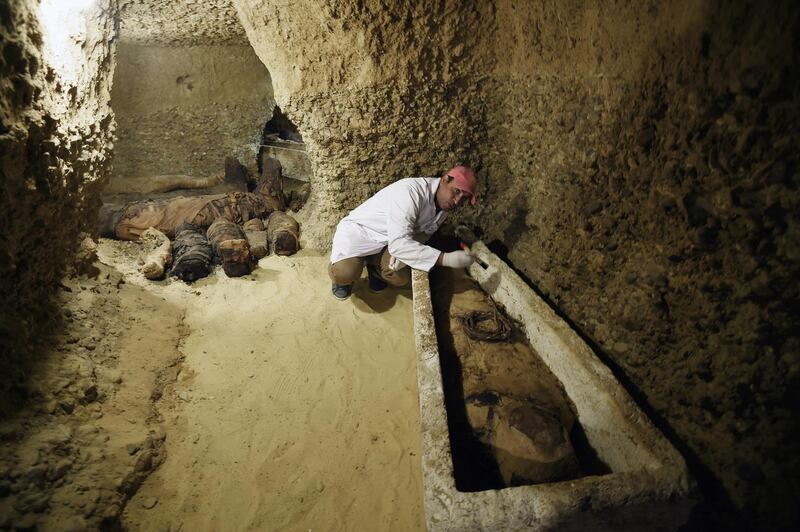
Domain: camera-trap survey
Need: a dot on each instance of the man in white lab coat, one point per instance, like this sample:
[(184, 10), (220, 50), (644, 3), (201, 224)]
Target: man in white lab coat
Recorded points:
[(388, 231)]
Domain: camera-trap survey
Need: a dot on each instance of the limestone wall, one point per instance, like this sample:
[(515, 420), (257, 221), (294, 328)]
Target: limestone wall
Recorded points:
[(379, 91), (180, 22), (638, 161), (55, 133), (183, 109), (649, 161)]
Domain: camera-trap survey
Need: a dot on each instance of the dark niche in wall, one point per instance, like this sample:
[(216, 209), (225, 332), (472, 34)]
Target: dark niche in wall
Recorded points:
[(282, 147), (280, 127)]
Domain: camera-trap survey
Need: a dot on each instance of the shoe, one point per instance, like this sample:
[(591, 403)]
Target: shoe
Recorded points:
[(376, 284), (341, 291)]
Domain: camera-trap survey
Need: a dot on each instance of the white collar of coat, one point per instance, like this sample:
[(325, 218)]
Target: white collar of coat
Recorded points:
[(434, 186)]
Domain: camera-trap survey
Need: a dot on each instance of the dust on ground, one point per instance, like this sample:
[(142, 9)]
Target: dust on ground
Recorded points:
[(258, 402)]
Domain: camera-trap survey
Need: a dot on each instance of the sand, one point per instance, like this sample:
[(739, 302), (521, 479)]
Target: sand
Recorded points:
[(291, 410), (251, 403)]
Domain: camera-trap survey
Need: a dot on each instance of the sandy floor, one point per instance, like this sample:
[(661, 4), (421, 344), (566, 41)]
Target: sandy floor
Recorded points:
[(256, 403), (291, 410)]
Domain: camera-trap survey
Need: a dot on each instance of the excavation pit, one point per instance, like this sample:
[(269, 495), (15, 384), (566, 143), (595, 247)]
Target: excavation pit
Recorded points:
[(630, 476)]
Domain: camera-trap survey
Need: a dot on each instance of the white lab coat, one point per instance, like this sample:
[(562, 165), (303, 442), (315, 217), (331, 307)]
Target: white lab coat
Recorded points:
[(393, 217)]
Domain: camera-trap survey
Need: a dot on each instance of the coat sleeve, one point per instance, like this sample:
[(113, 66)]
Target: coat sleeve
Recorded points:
[(401, 225)]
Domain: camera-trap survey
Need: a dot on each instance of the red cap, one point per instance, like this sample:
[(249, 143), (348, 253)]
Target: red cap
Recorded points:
[(464, 178)]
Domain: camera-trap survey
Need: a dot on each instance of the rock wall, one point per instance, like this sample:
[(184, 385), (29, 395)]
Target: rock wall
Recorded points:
[(638, 162), (183, 109), (180, 22), (650, 157), (55, 138), (378, 90)]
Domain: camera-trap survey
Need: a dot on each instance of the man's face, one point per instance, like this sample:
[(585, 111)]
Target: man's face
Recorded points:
[(448, 195)]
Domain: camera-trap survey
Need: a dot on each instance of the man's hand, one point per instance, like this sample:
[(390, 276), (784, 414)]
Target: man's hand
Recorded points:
[(457, 259)]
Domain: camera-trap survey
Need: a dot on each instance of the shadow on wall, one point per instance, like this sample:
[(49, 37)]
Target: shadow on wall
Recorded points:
[(656, 203), (54, 150)]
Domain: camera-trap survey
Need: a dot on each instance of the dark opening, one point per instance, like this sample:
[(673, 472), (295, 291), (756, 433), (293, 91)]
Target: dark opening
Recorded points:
[(281, 126), (282, 147)]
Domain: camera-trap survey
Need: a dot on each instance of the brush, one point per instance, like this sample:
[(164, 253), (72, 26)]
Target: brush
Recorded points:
[(467, 237)]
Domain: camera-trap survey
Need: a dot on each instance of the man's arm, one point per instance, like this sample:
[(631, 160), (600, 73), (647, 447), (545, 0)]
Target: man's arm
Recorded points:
[(401, 226), (402, 216)]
